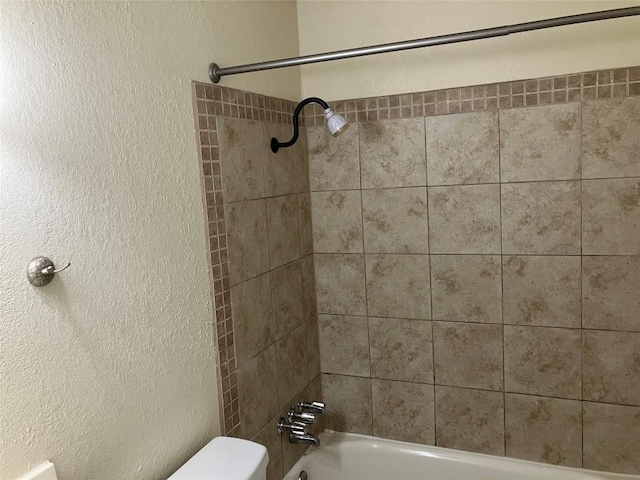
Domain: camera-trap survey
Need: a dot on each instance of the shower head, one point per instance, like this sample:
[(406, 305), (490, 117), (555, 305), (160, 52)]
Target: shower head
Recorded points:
[(335, 123)]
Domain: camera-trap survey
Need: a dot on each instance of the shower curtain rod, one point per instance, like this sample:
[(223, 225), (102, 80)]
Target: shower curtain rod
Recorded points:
[(215, 72)]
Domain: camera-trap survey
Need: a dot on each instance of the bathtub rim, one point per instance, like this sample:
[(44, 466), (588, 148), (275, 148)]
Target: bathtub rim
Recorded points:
[(333, 437)]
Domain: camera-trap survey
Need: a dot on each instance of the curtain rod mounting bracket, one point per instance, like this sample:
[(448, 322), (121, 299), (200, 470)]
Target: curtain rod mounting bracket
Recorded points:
[(213, 73)]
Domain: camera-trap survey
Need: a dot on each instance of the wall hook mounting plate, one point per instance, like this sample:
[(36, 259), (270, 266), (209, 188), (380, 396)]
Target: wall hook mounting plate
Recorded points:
[(41, 271)]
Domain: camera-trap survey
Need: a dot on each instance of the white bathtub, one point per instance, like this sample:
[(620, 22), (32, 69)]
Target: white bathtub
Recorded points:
[(345, 456)]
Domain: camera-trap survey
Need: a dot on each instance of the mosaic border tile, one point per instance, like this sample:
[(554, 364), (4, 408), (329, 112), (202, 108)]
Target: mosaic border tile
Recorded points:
[(613, 83), (209, 156), (213, 100)]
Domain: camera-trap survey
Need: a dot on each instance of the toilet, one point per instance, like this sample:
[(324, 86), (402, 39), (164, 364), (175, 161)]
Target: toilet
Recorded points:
[(226, 458)]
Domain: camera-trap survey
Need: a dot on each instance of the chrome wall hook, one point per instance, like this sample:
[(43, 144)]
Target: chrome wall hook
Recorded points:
[(41, 271)]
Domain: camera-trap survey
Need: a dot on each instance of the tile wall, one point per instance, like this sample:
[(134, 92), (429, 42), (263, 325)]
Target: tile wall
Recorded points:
[(477, 262), (260, 245), (477, 267)]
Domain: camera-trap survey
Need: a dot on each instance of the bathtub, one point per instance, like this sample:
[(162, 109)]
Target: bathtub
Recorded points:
[(347, 456)]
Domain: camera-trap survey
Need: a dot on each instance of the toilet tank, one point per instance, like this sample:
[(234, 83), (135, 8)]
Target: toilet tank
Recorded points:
[(226, 458)]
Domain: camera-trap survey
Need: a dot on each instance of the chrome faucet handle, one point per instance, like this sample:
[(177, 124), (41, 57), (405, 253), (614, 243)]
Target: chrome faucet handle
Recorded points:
[(313, 407), (294, 427), (305, 418)]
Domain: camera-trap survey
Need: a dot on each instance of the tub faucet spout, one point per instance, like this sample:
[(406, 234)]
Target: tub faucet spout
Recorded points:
[(297, 433), (308, 438)]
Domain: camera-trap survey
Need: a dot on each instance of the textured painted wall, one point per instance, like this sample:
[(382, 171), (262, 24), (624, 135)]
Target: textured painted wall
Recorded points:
[(595, 46), (477, 273), (109, 371)]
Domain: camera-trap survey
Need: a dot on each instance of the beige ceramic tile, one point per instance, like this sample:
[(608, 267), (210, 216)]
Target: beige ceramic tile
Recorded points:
[(542, 361), (241, 159), (467, 288), (247, 240), (403, 411), (541, 218), (333, 161), (395, 220), (284, 236), (398, 286), (344, 345), (337, 221), (291, 354), (302, 164), (252, 317), (308, 288), (543, 429), (540, 143), (304, 223), (258, 391), (611, 438), (464, 219), (468, 355), (340, 284), (470, 420), (610, 140), (401, 349), (463, 148), (350, 403), (611, 293), (611, 367), (288, 301), (313, 347), (270, 438), (542, 291), (281, 169), (392, 153), (611, 217)]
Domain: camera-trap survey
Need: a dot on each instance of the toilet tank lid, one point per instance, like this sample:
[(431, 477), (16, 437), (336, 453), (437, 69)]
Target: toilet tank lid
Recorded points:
[(224, 458)]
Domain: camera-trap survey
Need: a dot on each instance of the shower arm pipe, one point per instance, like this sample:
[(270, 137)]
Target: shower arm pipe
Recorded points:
[(275, 145), (216, 73)]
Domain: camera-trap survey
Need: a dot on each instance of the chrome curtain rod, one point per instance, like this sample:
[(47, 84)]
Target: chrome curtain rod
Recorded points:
[(216, 73)]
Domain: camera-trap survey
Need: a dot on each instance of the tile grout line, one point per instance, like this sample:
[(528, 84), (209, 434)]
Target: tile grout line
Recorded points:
[(554, 255), (301, 193), (313, 262), (510, 392), (555, 327), (273, 317), (581, 286), (215, 303), (565, 180), (303, 324), (433, 342), (366, 292), (504, 395), (267, 271), (231, 332)]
